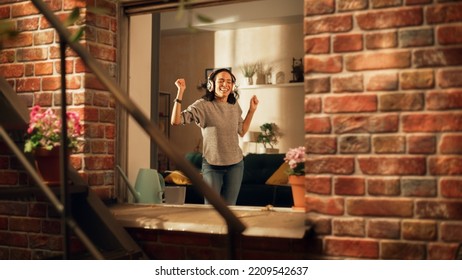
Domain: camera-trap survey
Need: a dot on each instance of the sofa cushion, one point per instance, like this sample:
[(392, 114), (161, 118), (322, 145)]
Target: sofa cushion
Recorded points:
[(259, 167), (280, 176)]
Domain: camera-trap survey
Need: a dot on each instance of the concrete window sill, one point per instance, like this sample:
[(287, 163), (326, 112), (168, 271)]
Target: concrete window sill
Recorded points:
[(259, 221)]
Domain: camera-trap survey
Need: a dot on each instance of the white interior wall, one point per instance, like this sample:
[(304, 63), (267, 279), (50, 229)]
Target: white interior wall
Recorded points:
[(139, 91), (274, 46)]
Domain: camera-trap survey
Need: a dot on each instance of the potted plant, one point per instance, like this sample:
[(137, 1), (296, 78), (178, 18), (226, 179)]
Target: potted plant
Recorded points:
[(248, 70), (268, 136), (295, 158), (43, 140)]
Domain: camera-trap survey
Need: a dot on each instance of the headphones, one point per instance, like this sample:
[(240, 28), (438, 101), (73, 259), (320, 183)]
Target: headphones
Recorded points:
[(211, 83)]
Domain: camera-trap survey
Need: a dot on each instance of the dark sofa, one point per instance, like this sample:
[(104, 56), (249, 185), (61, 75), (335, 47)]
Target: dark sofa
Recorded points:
[(254, 191)]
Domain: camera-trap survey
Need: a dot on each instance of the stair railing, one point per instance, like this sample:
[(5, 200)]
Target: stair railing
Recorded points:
[(235, 226)]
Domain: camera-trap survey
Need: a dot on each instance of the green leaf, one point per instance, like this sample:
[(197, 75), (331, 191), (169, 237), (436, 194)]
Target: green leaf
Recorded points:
[(77, 35), (204, 19), (73, 17)]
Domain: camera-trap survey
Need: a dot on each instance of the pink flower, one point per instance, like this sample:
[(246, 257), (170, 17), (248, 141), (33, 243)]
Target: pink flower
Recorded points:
[(296, 159), (45, 129)]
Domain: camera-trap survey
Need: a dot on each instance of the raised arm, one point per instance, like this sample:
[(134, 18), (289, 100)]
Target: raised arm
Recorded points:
[(248, 118), (176, 111)]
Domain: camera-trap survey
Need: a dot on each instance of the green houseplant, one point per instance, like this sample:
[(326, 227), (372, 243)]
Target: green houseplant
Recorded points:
[(248, 70), (268, 136)]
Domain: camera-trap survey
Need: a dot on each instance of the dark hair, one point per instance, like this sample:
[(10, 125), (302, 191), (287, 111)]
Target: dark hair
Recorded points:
[(210, 96)]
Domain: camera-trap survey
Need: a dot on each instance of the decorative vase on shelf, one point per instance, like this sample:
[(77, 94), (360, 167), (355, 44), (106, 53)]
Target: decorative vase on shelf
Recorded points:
[(297, 183), (249, 80), (47, 165)]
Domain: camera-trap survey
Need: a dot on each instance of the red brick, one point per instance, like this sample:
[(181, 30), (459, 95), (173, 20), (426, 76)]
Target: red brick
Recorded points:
[(317, 45), (23, 9), (401, 102), (11, 70), (417, 2), (25, 224), (317, 85), (318, 184), (350, 103), (30, 68), (27, 24), (51, 226), (110, 131), (14, 239), (421, 79), (69, 65), (348, 43), (445, 165), (32, 54), (44, 99), (357, 248), (383, 187), (381, 228), (441, 251), (443, 100), (330, 164), (349, 186), (322, 64), (383, 40), (44, 37), (99, 162), (382, 82), (438, 209), (350, 83), (355, 144), (365, 123), (7, 56), (451, 231), (447, 78), (421, 144), (316, 7), (321, 145), (351, 5), (24, 39), (377, 61), (354, 227), (416, 37), (437, 57), (8, 178), (432, 122), (381, 207), (313, 105), (43, 68), (91, 82), (107, 115), (317, 125), (102, 52), (444, 13), (395, 250), (4, 12), (451, 143), (448, 35), (49, 242), (380, 165), (388, 144), (328, 24), (385, 3), (419, 187), (392, 18), (451, 188), (325, 205), (37, 210), (28, 84), (419, 230)]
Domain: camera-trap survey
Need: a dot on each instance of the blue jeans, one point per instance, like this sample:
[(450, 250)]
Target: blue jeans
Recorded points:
[(225, 180)]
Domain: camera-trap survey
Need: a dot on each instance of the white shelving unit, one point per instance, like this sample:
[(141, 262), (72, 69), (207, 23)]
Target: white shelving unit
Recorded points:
[(263, 86)]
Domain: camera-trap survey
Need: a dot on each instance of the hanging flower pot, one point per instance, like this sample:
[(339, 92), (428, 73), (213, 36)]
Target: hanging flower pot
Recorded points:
[(297, 183), (47, 165)]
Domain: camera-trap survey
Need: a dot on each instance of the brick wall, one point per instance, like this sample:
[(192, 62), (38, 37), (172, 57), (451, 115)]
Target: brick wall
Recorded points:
[(383, 127), (31, 64)]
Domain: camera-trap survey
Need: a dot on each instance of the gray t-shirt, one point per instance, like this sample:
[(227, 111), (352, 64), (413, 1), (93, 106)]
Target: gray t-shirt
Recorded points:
[(220, 123)]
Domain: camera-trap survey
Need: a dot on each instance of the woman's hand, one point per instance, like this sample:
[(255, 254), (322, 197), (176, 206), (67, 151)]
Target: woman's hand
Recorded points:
[(253, 103), (180, 84)]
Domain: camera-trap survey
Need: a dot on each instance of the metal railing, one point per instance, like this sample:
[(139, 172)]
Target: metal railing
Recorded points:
[(235, 226)]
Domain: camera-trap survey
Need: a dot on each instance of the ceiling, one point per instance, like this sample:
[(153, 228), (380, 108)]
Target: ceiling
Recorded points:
[(236, 16)]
